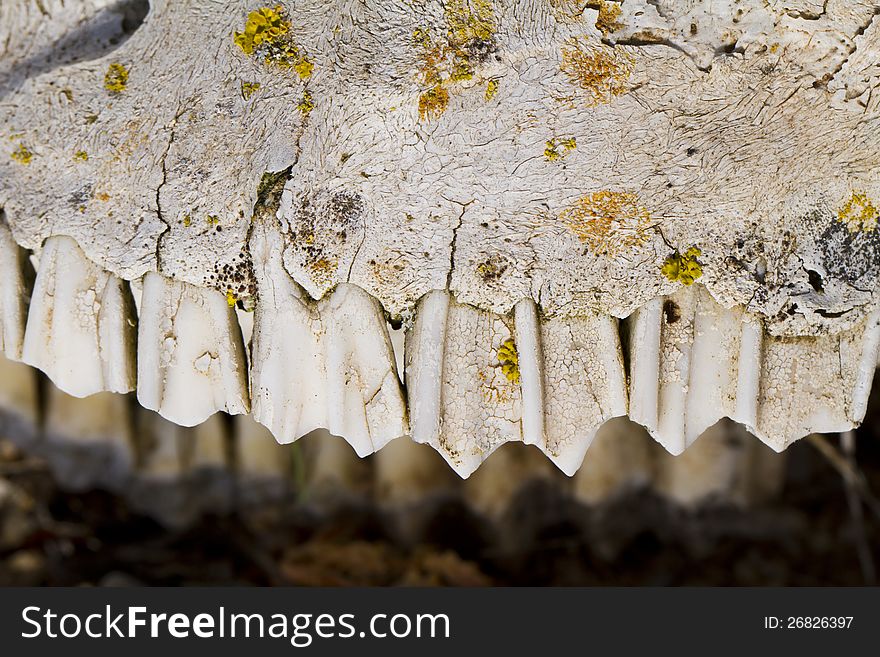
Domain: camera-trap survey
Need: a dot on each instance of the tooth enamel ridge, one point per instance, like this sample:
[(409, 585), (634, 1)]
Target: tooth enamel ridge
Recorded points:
[(191, 360), (80, 326)]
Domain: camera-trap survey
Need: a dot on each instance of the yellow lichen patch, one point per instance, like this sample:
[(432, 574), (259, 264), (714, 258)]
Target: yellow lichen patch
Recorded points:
[(212, 220), (231, 299), (556, 149), (116, 78), (433, 103), (452, 58), (81, 156), (267, 36), (609, 13), (600, 71), (859, 213), (509, 360), (491, 89), (306, 105), (248, 89), (683, 268), (187, 220), (22, 155), (608, 222)]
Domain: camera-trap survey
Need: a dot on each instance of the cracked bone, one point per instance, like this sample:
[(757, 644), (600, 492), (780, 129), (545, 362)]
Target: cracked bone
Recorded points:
[(596, 160), (325, 365), (191, 360), (80, 326)]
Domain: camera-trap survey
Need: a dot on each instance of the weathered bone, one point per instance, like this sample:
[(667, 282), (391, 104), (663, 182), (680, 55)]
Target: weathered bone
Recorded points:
[(14, 294)]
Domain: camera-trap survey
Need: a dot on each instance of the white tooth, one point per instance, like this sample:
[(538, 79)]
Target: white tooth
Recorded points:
[(621, 459), (80, 327), (191, 360), (408, 474), (365, 401), (579, 364), (89, 440), (816, 384), (508, 470), (19, 415), (461, 402), (328, 364), (13, 294), (726, 464)]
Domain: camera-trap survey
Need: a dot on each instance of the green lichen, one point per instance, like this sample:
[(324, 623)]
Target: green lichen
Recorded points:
[(116, 78), (683, 268)]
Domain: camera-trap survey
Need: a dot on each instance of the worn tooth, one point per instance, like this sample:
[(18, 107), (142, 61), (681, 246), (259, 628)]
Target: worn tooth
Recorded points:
[(80, 327), (14, 293), (19, 414), (815, 384), (621, 459), (572, 381), (326, 364), (89, 441), (461, 400), (191, 360), (726, 464), (264, 468), (407, 474), (205, 457)]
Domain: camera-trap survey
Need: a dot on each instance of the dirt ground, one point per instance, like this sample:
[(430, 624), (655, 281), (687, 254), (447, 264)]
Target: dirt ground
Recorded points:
[(807, 536)]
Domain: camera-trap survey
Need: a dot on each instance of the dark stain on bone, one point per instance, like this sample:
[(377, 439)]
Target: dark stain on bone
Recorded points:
[(853, 257)]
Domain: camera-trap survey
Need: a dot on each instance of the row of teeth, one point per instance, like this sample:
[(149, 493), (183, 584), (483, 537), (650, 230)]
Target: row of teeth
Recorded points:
[(175, 474), (474, 379)]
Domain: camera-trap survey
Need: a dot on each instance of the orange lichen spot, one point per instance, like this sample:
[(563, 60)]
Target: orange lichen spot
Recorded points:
[(608, 222), (600, 71), (81, 156), (859, 213), (322, 270), (248, 89), (509, 361), (433, 103), (267, 36), (102, 196), (609, 13), (116, 78), (556, 149), (22, 154), (683, 268)]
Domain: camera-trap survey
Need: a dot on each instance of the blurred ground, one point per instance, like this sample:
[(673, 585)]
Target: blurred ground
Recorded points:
[(808, 536)]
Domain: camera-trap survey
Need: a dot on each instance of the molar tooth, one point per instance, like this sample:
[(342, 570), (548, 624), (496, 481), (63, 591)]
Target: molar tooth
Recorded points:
[(461, 401), (326, 364), (264, 468), (583, 384), (89, 440), (191, 360), (13, 293), (334, 475), (80, 328)]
